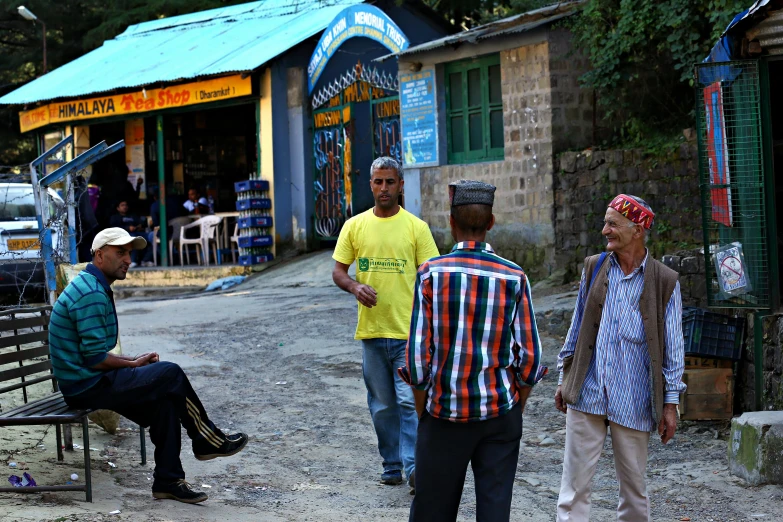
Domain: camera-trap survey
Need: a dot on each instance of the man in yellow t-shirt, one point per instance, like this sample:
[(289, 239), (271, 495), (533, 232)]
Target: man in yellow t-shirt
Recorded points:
[(388, 244)]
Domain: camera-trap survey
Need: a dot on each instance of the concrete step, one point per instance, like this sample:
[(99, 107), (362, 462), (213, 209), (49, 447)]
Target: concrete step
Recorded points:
[(756, 447)]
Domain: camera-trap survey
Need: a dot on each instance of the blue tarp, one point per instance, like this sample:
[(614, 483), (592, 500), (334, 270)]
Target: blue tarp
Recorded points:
[(225, 283), (722, 50)]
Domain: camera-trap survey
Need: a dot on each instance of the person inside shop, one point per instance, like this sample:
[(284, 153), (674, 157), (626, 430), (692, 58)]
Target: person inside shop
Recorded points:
[(196, 204), (132, 224)]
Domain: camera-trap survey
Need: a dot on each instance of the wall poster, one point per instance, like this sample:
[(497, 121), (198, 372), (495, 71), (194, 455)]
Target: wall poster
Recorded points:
[(718, 154), (419, 118)]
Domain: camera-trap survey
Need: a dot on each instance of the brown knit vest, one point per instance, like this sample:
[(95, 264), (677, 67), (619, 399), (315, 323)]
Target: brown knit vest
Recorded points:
[(659, 284)]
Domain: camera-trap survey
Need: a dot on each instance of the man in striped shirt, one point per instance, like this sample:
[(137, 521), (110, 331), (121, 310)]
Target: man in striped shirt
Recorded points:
[(473, 356), (621, 365), (83, 330)]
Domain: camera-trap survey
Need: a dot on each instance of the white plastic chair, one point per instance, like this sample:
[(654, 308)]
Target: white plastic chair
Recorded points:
[(176, 225), (207, 228)]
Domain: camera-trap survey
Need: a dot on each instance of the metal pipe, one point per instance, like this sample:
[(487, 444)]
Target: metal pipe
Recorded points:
[(758, 359), (44, 45), (38, 489), (70, 229), (164, 229), (87, 464), (143, 446)]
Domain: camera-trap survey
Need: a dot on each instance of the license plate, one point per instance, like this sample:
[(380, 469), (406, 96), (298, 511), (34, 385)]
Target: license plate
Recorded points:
[(23, 244)]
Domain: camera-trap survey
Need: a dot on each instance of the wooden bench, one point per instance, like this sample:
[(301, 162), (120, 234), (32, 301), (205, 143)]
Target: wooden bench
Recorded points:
[(24, 355)]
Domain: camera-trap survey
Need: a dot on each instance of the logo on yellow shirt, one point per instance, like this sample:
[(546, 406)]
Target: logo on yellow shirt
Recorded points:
[(380, 264)]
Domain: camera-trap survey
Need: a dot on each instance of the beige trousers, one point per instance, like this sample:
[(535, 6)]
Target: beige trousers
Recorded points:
[(585, 435)]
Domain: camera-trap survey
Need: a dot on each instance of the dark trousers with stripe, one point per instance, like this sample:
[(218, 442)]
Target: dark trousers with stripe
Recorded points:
[(443, 451), (158, 396)]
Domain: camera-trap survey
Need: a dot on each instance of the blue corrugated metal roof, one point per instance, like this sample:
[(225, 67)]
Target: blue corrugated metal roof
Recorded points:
[(218, 41)]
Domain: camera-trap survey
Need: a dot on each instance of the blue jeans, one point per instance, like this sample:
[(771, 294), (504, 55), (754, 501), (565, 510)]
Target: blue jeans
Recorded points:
[(391, 403)]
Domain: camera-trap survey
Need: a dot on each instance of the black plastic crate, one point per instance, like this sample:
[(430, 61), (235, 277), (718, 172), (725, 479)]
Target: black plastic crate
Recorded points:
[(709, 334)]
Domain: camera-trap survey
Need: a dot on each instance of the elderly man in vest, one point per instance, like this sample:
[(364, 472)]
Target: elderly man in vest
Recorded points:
[(621, 365)]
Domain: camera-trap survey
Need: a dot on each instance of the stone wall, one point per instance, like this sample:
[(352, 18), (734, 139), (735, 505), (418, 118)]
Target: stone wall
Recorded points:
[(532, 76), (693, 283), (572, 107), (772, 369), (585, 182)]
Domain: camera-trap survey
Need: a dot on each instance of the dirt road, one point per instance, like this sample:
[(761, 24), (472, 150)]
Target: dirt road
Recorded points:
[(276, 358)]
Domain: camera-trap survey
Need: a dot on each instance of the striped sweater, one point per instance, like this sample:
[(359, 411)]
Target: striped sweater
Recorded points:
[(82, 329)]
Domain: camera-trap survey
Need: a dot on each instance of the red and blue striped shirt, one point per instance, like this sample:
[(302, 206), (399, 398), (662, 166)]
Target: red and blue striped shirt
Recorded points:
[(473, 338)]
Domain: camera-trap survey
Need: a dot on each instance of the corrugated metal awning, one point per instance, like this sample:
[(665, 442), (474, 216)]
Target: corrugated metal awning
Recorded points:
[(219, 41), (770, 33)]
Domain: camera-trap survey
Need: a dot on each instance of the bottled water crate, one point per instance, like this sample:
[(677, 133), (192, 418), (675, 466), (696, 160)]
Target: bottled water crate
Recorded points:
[(254, 204), (255, 241), (251, 185), (255, 222)]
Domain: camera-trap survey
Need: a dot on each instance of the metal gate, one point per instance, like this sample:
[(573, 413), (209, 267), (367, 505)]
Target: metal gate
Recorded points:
[(735, 177), (333, 187), (386, 127)]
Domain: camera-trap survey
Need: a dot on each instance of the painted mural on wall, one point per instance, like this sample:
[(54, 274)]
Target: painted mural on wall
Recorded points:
[(386, 128), (333, 192), (334, 136)]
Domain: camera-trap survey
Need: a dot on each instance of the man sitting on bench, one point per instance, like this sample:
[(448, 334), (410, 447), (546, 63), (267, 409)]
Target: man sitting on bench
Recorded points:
[(83, 328)]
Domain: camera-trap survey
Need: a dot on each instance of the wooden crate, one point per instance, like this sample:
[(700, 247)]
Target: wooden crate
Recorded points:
[(692, 363), (710, 394)]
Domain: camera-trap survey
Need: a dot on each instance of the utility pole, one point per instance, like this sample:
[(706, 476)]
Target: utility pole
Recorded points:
[(28, 15)]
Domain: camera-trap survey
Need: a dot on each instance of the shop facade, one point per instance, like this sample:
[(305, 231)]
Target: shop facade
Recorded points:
[(497, 104), (254, 116)]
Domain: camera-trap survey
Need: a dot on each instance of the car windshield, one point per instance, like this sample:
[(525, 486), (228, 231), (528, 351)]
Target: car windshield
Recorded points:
[(16, 204)]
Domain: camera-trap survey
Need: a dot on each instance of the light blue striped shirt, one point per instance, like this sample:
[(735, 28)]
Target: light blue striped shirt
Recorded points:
[(618, 380)]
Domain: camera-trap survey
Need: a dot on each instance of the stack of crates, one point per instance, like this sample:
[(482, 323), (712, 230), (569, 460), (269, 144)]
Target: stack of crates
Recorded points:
[(255, 222), (713, 342)]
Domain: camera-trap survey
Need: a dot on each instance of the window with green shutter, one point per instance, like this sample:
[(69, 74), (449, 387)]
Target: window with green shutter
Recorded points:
[(474, 110)]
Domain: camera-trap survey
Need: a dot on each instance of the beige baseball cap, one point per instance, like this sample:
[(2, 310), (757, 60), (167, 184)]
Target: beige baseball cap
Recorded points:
[(118, 237)]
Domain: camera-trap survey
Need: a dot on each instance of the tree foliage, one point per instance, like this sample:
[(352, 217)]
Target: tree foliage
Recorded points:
[(466, 14), (73, 28), (641, 51), (642, 54)]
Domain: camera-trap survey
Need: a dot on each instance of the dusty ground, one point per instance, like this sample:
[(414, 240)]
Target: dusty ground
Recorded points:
[(276, 358)]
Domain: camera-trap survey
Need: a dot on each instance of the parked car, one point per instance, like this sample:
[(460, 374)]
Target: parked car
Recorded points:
[(21, 265)]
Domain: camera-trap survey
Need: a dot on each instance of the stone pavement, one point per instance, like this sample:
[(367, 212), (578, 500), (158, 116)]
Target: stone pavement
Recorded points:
[(275, 357)]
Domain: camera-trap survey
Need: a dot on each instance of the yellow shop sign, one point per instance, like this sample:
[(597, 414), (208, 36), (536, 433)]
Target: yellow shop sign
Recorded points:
[(142, 101)]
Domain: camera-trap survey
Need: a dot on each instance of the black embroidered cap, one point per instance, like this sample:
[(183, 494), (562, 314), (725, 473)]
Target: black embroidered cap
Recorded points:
[(469, 192)]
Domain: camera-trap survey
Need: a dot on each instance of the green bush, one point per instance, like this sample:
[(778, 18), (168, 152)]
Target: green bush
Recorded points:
[(642, 54)]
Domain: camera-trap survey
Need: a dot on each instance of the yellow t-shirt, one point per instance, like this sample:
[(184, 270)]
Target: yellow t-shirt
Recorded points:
[(388, 252)]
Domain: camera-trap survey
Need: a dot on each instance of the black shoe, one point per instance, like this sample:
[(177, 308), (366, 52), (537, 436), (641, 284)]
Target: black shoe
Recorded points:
[(391, 478), (178, 490), (412, 482), (231, 446)]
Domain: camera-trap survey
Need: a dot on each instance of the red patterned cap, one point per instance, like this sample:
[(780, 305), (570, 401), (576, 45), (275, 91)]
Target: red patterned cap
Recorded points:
[(630, 208)]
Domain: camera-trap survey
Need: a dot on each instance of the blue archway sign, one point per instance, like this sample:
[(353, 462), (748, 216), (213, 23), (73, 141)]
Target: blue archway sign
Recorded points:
[(358, 20)]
